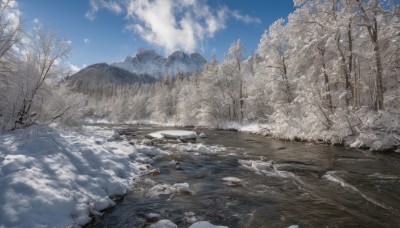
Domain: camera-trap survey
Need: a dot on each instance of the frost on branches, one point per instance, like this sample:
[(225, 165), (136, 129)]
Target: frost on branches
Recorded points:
[(329, 72)]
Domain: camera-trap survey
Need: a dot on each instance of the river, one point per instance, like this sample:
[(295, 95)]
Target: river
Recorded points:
[(275, 184)]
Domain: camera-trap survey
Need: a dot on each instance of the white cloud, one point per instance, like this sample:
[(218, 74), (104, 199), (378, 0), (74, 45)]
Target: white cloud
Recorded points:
[(171, 24), (86, 40), (73, 68), (10, 15), (174, 25), (36, 21), (245, 18), (95, 5)]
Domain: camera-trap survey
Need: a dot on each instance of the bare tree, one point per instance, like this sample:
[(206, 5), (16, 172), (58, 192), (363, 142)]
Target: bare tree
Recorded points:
[(44, 51), (10, 29), (369, 15)]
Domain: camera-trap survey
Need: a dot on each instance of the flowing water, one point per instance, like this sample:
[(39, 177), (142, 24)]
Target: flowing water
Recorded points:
[(279, 184)]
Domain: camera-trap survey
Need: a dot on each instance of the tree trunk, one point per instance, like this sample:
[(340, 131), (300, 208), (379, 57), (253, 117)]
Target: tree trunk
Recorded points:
[(241, 100), (350, 59), (379, 82), (372, 28), (326, 80), (285, 79)]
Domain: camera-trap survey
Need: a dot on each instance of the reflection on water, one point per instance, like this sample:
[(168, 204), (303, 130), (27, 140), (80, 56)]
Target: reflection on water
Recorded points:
[(242, 180)]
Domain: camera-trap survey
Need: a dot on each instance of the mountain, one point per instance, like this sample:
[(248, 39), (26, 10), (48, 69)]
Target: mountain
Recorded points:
[(97, 75), (150, 63)]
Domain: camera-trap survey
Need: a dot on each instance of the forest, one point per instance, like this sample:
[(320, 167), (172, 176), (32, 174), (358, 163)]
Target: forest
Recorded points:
[(329, 73)]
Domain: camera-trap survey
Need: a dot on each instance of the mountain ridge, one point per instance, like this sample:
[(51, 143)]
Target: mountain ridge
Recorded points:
[(148, 61), (100, 74)]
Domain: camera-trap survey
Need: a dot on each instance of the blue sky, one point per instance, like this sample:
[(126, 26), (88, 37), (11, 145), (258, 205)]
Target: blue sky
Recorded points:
[(110, 30)]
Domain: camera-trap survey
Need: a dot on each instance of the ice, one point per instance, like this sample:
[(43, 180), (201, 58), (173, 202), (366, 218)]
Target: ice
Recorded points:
[(176, 134), (205, 224)]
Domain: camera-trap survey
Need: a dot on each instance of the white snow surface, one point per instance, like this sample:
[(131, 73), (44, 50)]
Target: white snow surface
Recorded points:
[(205, 224), (377, 132), (182, 134), (150, 63), (233, 180), (164, 223), (57, 178)]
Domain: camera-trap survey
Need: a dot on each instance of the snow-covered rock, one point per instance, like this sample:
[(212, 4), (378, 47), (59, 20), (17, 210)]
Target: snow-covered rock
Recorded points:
[(148, 62), (166, 189), (115, 137), (203, 135), (198, 148), (232, 180), (173, 134), (153, 217), (205, 224), (165, 223), (147, 142)]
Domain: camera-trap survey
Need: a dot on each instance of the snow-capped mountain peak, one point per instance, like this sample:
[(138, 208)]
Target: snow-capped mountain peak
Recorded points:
[(150, 63)]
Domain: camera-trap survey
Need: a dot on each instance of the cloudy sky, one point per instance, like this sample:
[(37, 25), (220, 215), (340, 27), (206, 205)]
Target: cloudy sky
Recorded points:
[(109, 30)]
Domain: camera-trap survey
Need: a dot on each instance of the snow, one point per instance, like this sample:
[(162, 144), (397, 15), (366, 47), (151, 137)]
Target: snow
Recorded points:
[(198, 148), (254, 128), (166, 189), (149, 62), (375, 133), (181, 134), (205, 224), (57, 178), (146, 142), (153, 216), (265, 167), (163, 224), (232, 180)]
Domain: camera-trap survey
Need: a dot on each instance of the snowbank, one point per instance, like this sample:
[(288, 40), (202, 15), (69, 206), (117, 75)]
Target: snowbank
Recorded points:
[(362, 129), (55, 178)]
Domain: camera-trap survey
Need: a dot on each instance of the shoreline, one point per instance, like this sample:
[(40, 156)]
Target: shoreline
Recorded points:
[(347, 142)]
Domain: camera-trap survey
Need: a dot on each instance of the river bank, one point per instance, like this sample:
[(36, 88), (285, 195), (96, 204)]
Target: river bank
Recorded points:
[(51, 177), (237, 179), (375, 134)]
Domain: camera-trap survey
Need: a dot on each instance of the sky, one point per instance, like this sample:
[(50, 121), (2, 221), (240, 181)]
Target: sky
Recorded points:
[(110, 30)]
